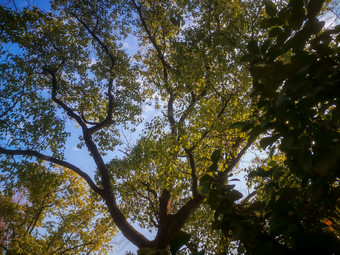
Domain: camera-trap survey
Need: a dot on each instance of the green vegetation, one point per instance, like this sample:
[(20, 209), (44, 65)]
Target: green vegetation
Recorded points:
[(220, 76)]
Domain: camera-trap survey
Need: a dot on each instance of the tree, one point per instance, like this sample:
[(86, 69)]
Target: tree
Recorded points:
[(69, 63), (57, 216), (295, 206)]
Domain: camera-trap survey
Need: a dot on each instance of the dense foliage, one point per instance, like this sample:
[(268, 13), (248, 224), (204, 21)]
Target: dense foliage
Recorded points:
[(56, 216), (295, 206), (220, 77)]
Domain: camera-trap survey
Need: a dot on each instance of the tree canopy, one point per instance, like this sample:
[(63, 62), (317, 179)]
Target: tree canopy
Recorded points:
[(220, 77)]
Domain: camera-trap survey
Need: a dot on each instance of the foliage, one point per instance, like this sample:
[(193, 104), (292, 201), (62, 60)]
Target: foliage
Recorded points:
[(69, 64), (58, 216), (295, 75)]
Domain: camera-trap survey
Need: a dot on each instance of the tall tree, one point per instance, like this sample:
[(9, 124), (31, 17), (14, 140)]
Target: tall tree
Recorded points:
[(69, 63)]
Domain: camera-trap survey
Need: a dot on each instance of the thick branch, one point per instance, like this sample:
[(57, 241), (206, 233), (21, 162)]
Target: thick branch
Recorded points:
[(185, 212), (108, 121), (164, 205), (87, 136), (164, 230), (125, 227), (175, 222), (107, 192), (171, 114), (87, 122), (59, 162), (193, 173)]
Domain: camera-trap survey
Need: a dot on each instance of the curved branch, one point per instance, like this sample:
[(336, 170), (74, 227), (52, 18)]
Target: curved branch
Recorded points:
[(107, 192), (108, 121), (85, 121), (68, 110), (185, 212), (165, 65), (56, 161)]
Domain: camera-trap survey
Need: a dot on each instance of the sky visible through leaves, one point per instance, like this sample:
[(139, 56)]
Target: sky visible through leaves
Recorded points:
[(81, 157)]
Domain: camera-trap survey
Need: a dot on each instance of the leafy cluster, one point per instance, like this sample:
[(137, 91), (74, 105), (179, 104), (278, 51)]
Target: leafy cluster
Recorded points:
[(295, 78), (58, 216)]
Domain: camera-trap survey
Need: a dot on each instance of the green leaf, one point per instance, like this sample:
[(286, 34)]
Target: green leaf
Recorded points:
[(259, 172), (264, 47), (202, 252), (247, 127), (297, 17), (313, 27), (270, 8), (239, 124), (253, 47), (205, 189), (275, 31), (177, 240), (314, 7), (216, 155), (147, 251), (267, 141), (235, 195), (248, 58), (280, 100), (337, 29), (307, 161), (266, 23), (216, 224)]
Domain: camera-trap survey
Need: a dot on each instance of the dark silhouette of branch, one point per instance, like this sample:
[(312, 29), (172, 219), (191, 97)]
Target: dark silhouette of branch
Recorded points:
[(194, 180), (170, 114), (108, 121), (174, 222), (56, 161), (107, 192), (96, 38), (67, 109), (165, 65), (151, 38)]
